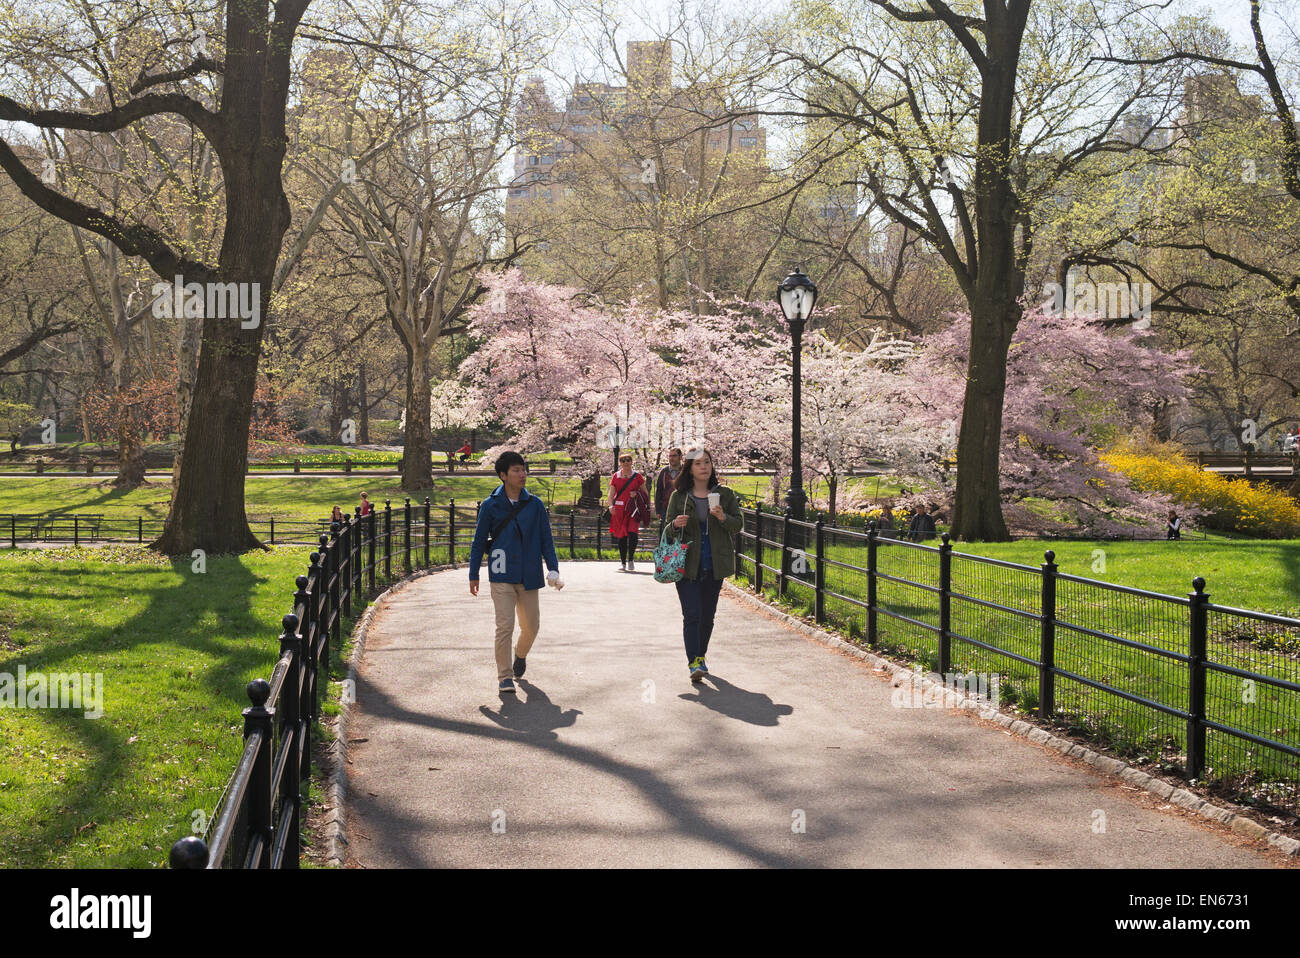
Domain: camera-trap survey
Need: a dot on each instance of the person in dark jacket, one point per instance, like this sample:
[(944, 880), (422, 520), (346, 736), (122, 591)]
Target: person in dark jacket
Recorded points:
[(522, 543), (665, 482), (1174, 526), (923, 526)]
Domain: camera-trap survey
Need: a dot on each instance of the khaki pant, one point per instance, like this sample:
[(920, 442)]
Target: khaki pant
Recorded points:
[(509, 598)]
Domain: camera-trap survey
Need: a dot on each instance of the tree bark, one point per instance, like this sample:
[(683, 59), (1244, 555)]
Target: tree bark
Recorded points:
[(364, 404), (977, 514), (417, 461)]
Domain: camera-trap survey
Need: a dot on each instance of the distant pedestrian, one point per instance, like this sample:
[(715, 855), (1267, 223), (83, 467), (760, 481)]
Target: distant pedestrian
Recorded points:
[(923, 525), (665, 482), (1174, 526), (464, 452), (336, 519), (514, 532), (366, 507), (626, 497), (707, 515)]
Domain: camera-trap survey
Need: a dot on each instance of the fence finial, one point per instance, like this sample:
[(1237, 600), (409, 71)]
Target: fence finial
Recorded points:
[(189, 852), (259, 690), (1198, 584)]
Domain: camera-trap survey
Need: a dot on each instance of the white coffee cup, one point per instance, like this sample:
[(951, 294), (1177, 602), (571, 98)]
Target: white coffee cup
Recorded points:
[(715, 499)]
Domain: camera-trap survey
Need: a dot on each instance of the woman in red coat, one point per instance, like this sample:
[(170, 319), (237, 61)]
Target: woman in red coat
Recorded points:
[(624, 487)]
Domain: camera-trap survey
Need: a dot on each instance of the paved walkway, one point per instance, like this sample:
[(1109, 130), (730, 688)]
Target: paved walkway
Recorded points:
[(610, 757)]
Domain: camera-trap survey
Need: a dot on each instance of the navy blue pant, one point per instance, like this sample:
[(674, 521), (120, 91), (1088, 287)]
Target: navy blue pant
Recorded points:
[(699, 598)]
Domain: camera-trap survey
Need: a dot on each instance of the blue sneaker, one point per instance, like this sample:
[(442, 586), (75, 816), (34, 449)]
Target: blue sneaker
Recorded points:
[(697, 671), (520, 665), (507, 685), (703, 667)]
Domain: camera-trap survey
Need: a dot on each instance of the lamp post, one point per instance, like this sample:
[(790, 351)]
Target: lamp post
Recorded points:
[(797, 296)]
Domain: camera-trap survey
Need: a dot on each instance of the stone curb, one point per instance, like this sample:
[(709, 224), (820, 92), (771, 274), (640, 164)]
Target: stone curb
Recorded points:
[(336, 756), (1232, 815)]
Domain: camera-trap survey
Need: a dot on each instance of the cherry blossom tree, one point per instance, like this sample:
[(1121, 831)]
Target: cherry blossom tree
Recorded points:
[(1072, 387)]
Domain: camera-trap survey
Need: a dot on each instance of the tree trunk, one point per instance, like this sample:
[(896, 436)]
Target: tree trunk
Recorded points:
[(977, 514), (364, 404), (130, 456), (833, 484), (417, 461)]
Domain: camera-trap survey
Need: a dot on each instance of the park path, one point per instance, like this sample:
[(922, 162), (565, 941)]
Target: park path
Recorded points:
[(610, 757)]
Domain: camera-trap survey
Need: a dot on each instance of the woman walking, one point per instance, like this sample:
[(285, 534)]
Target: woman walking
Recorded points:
[(624, 489), (707, 515)]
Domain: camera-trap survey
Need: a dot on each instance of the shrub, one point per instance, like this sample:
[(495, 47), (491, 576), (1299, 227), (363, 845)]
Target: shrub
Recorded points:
[(1233, 505)]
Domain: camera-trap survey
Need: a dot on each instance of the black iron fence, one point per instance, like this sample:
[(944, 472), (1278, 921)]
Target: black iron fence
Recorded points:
[(1189, 685)]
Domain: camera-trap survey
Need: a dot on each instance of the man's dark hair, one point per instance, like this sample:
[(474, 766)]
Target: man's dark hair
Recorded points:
[(508, 459)]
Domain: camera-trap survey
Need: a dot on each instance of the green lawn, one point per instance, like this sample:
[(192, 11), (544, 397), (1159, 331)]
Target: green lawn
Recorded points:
[(295, 498), (176, 650)]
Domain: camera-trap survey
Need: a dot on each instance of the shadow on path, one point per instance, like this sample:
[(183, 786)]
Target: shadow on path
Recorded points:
[(756, 708), (536, 715), (687, 815)]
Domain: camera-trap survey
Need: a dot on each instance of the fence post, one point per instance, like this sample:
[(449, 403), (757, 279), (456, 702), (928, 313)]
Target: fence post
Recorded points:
[(1196, 679), (76, 530), (139, 529), (311, 631), (428, 508), (573, 552), (819, 581), (872, 548), (345, 566), (599, 522), (785, 553), (357, 556), (451, 531), (388, 539), (307, 693), (272, 530), (758, 547), (374, 534), (13, 531), (406, 536), (945, 605), (1047, 645), (290, 781), (260, 797)]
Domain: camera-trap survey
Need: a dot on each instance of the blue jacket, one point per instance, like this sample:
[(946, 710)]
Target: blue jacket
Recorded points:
[(523, 557)]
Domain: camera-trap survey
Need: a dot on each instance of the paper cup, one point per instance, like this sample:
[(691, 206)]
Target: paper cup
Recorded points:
[(715, 499)]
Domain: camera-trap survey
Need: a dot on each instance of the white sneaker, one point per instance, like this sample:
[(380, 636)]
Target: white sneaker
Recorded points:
[(631, 566)]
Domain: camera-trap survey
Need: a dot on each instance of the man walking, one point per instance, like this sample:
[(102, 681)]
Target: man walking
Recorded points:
[(665, 482), (514, 532)]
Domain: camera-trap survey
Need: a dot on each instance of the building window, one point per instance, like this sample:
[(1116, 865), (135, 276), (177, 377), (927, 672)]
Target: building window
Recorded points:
[(532, 161), (748, 142)]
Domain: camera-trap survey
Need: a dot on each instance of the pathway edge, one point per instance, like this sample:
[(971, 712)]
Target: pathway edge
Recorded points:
[(336, 756)]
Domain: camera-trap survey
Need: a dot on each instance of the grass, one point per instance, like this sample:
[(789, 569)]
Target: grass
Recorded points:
[(176, 650)]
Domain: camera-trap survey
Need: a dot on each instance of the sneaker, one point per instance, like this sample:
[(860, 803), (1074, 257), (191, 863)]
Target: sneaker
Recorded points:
[(520, 665), (507, 685), (703, 667), (631, 566), (697, 673)]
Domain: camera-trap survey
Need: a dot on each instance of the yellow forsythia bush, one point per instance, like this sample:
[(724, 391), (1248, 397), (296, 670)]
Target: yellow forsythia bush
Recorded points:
[(1233, 505)]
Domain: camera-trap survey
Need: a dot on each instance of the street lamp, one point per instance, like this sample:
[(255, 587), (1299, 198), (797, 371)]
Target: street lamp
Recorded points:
[(797, 296)]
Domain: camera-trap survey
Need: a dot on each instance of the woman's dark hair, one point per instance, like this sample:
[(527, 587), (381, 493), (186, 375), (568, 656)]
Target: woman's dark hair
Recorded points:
[(686, 478), (508, 459)]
